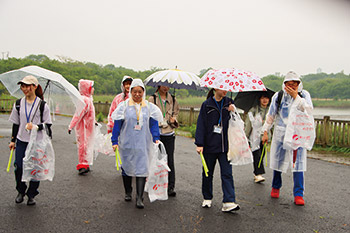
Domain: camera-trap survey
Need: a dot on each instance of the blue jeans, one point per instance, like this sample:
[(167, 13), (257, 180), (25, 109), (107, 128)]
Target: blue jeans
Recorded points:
[(298, 177), (21, 186), (226, 177)]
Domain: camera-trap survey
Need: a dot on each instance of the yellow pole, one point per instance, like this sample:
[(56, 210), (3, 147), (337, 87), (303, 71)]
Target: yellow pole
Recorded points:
[(204, 165), (9, 163), (116, 159)]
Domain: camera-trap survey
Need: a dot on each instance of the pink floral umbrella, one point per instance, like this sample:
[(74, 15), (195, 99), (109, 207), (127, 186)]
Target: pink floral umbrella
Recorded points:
[(232, 80)]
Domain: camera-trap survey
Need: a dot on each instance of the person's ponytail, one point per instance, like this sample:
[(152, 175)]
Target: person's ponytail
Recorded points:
[(39, 92), (210, 93)]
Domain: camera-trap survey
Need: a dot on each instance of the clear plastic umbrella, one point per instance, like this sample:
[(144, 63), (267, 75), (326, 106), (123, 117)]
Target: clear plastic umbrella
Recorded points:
[(62, 96), (232, 80), (173, 78)]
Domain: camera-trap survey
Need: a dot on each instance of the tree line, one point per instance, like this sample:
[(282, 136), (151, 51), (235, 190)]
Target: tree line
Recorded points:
[(108, 77)]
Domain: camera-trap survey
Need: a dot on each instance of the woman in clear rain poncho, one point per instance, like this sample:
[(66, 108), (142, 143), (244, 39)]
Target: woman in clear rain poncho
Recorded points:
[(135, 124), (253, 125), (26, 119), (84, 124), (125, 87), (280, 158)]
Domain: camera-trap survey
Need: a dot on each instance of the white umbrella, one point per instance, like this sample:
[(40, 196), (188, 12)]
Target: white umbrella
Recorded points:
[(61, 95), (232, 80), (173, 78)]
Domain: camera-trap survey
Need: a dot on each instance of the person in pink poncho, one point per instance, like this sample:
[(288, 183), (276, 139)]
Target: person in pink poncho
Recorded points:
[(84, 124), (125, 86)]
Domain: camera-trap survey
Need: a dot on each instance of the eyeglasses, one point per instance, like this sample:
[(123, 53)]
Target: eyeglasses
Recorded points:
[(291, 84)]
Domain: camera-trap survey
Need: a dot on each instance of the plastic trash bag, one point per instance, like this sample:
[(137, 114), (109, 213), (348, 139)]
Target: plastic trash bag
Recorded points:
[(255, 135), (239, 152), (102, 143), (157, 181), (300, 131), (39, 160)]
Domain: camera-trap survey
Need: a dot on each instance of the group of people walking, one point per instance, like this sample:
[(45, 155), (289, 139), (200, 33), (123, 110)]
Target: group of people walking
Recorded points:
[(136, 123)]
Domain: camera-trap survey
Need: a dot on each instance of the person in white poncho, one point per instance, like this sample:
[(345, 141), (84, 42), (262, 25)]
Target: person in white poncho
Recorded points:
[(280, 158), (135, 125)]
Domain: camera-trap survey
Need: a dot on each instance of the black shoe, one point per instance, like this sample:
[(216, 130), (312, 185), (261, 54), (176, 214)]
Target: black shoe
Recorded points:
[(82, 171), (127, 197), (19, 198), (87, 170), (171, 193), (31, 201), (139, 203)]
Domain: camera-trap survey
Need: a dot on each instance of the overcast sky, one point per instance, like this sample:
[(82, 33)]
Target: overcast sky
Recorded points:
[(263, 36)]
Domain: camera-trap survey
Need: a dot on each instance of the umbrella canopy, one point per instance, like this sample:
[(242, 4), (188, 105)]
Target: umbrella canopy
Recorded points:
[(174, 79), (249, 99), (232, 80), (61, 95)]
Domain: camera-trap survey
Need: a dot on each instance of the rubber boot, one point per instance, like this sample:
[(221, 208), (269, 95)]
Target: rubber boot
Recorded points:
[(127, 186), (140, 186)]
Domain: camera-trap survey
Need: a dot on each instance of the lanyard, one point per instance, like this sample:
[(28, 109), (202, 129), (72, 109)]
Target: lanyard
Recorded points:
[(138, 112), (161, 103), (219, 107), (30, 112)]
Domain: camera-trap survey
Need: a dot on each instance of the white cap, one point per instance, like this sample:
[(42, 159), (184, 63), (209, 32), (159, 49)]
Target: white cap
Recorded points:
[(29, 80), (292, 76)]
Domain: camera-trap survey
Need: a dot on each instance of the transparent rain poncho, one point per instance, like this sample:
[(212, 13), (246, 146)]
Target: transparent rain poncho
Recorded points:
[(84, 124), (280, 158), (135, 146)]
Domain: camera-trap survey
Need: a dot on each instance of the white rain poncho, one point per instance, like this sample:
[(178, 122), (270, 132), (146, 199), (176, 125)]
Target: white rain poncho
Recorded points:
[(135, 145), (280, 158)]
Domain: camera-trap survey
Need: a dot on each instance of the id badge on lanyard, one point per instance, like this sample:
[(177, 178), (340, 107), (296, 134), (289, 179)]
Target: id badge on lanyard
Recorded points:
[(138, 126), (218, 128)]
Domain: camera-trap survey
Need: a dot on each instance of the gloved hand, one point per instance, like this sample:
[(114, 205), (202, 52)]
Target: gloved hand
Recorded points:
[(69, 131)]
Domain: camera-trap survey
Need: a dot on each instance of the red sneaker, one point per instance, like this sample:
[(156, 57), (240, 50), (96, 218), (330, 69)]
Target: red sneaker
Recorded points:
[(298, 200), (275, 193)]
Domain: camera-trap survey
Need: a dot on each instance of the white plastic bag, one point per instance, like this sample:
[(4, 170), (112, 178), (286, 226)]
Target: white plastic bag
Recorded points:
[(102, 143), (239, 152), (157, 181), (300, 131), (39, 160), (255, 135)]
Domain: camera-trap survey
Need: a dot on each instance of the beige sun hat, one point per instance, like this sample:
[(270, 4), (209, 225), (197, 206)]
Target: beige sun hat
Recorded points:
[(30, 79)]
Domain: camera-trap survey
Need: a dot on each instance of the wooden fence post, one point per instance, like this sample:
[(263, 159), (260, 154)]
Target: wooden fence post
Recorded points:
[(327, 136), (191, 116)]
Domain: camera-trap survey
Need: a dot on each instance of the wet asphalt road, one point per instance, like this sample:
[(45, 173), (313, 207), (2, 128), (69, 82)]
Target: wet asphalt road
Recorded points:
[(94, 203)]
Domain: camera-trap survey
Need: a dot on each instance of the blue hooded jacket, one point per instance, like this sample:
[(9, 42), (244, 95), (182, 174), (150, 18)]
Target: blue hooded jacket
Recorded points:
[(209, 116)]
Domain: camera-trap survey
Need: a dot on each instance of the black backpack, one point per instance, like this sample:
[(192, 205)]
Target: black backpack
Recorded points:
[(41, 108), (279, 98)]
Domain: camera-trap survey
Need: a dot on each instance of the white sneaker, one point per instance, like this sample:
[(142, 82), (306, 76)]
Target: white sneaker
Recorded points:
[(229, 206), (259, 179), (206, 204)]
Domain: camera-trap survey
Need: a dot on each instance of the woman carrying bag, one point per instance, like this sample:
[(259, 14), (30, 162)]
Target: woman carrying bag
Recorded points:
[(212, 141), (26, 117), (135, 128)]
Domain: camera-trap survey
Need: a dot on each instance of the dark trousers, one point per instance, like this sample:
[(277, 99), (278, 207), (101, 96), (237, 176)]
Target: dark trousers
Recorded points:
[(169, 144), (256, 157), (226, 177), (298, 178), (21, 186)]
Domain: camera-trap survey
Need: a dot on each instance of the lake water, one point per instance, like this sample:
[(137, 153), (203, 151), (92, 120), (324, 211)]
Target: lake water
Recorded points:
[(334, 113)]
